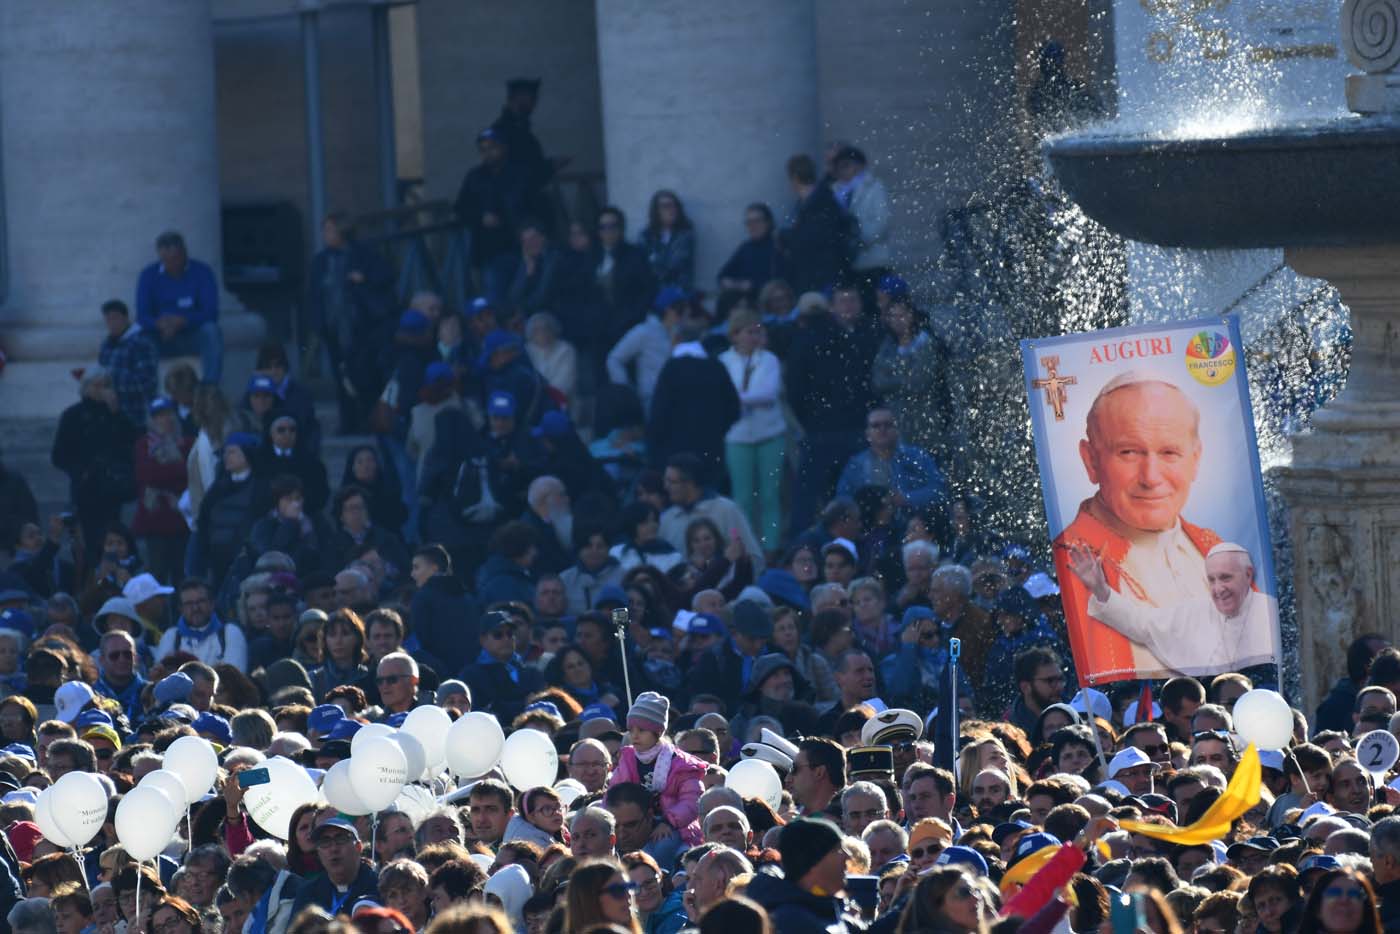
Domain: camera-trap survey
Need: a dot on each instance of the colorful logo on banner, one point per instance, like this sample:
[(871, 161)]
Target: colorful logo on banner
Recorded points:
[(1210, 358)]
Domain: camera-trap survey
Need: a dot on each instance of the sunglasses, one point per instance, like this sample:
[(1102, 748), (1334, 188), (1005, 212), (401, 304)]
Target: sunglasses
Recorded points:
[(1156, 749), (1336, 891), (104, 754), (922, 851), (389, 679), (620, 890)]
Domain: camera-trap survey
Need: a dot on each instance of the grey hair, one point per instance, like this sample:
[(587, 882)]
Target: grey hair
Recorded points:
[(91, 377), (17, 637), (718, 796), (919, 547), (737, 863), (399, 657), (543, 319), (272, 852), (31, 916), (450, 813), (146, 757), (729, 809), (542, 486), (956, 576), (64, 600), (821, 590), (1385, 837), (288, 744), (869, 789), (242, 755), (594, 813), (885, 826)]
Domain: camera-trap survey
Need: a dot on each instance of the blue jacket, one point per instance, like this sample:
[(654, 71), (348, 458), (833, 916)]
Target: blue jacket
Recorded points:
[(912, 472), (194, 296)]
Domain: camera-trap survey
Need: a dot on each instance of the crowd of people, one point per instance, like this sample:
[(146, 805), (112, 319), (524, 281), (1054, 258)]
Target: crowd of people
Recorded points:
[(674, 532)]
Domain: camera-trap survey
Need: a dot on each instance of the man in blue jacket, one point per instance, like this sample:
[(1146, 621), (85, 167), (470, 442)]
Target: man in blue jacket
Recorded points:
[(177, 303)]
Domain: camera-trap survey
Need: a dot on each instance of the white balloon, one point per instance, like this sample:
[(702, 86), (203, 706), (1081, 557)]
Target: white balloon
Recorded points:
[(529, 760), (43, 817), (145, 821), (413, 754), (271, 804), (368, 732), (415, 801), (168, 782), (338, 790), (754, 778), (1263, 717), (192, 760), (569, 789), (429, 725), (378, 770), (474, 744), (78, 804)]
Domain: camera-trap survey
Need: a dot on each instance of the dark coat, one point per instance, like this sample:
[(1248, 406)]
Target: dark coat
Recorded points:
[(93, 446), (627, 294), (390, 547), (815, 245), (319, 891), (304, 465), (551, 557), (501, 579), (503, 190), (720, 671), (446, 619), (794, 911), (17, 505), (226, 516), (692, 409), (494, 691), (308, 547), (828, 376)]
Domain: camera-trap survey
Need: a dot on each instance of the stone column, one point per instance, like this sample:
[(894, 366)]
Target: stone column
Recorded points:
[(107, 136), (710, 100)]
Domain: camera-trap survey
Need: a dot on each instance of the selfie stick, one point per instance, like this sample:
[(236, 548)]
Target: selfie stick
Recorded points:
[(620, 618), (954, 653)]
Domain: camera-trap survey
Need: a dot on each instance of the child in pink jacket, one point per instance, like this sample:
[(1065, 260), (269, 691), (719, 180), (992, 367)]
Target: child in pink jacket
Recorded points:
[(671, 775)]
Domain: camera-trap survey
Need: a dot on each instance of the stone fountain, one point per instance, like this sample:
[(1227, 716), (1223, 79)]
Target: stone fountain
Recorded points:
[(1326, 190)]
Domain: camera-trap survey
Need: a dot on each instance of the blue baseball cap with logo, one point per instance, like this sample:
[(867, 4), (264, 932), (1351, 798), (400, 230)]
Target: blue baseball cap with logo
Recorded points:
[(500, 404), (323, 718)]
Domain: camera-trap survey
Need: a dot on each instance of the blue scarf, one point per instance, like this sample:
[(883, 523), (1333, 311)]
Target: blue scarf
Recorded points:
[(512, 665), (190, 634), (260, 911)]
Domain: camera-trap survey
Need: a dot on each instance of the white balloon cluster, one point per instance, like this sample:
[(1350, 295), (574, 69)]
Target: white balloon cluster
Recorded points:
[(149, 814), (72, 810), (384, 763)]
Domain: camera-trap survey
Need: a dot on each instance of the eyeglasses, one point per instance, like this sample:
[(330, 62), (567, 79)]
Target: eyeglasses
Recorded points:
[(1053, 679), (389, 679), (651, 883), (548, 810), (921, 851), (1156, 749), (105, 754), (620, 890), (1336, 891)]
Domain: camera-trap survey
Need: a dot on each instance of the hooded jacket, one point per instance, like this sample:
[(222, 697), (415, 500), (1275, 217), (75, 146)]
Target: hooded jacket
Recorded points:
[(794, 911), (511, 884), (274, 910)]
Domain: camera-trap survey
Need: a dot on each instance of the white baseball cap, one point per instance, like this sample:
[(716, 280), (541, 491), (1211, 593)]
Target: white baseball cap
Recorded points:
[(1089, 700), (1130, 758), (143, 587), (70, 699)]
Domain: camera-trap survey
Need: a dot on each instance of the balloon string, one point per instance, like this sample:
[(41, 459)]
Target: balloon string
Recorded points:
[(137, 919), (373, 834), (82, 870), (189, 830)]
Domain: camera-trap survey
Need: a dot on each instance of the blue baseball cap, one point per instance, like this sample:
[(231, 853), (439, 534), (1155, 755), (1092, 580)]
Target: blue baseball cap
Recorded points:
[(547, 706), (784, 588), (260, 383), (413, 321), (500, 404), (670, 295), (18, 620), (173, 689), (438, 372), (553, 425), (345, 729), (214, 726), (598, 710), (92, 717), (160, 404), (497, 340), (241, 439), (23, 750), (963, 856), (610, 593), (479, 305), (1031, 843), (914, 614), (323, 718), (706, 624), (893, 286)]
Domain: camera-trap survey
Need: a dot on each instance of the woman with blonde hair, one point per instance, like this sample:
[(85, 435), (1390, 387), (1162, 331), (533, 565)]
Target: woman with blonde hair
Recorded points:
[(755, 445), (471, 918), (600, 893)]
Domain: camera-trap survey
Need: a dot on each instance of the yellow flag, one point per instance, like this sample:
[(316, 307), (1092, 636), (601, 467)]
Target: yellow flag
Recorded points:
[(1240, 795)]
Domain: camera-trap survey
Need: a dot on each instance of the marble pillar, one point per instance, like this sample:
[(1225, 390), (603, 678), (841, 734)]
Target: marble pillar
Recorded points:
[(107, 138), (709, 100)]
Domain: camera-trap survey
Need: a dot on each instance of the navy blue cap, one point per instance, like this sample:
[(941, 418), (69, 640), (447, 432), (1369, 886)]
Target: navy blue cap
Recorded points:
[(345, 729), (706, 624), (23, 750), (215, 726), (92, 717), (1007, 829), (547, 706), (784, 588), (241, 439), (670, 295), (553, 425), (500, 404), (610, 594), (18, 620), (479, 305), (497, 340), (323, 718), (438, 372), (160, 404), (963, 856), (173, 688), (413, 321), (259, 383), (489, 133), (598, 710), (893, 286), (336, 823), (1318, 861)]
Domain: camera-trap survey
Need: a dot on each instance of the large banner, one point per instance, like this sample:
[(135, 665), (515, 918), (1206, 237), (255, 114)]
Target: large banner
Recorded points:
[(1150, 469)]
